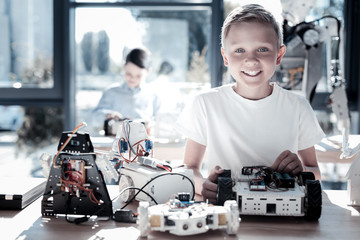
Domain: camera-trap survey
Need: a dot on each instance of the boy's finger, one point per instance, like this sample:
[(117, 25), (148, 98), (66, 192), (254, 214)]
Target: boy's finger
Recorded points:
[(276, 164), (213, 176), (210, 194), (210, 186), (279, 160)]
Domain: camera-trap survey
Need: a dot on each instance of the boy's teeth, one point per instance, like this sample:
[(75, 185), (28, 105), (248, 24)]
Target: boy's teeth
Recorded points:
[(252, 73)]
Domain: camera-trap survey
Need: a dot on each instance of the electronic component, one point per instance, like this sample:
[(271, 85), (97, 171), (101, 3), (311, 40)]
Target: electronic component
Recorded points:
[(257, 185), (154, 163), (283, 180), (143, 177), (133, 139), (123, 215), (158, 183), (184, 197), (72, 175), (261, 191)]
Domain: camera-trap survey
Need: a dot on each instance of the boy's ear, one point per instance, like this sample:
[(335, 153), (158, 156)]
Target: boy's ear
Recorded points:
[(280, 54), (226, 62)]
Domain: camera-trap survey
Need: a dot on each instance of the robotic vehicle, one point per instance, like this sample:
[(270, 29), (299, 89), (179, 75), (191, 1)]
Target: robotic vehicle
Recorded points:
[(261, 191)]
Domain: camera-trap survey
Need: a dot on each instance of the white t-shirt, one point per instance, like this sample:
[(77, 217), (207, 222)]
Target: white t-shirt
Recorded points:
[(239, 132)]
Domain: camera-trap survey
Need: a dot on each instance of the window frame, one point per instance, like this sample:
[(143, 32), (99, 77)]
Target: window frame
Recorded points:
[(63, 92)]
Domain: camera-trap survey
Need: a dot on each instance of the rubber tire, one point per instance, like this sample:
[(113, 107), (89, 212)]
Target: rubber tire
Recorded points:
[(313, 200), (224, 190), (303, 176)]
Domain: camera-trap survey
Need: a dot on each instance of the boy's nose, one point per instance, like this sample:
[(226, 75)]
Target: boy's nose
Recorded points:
[(251, 61)]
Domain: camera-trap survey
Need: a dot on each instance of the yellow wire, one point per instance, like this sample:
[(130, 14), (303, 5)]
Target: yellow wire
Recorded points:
[(77, 128)]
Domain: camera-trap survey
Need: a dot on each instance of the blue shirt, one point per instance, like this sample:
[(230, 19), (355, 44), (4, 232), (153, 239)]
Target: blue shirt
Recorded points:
[(133, 103)]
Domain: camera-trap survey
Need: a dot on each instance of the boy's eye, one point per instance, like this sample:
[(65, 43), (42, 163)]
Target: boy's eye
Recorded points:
[(239, 50), (263, 49)]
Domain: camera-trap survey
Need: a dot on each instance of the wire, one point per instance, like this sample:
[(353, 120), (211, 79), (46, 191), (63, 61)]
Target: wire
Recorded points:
[(165, 174), (165, 167), (136, 188), (338, 28), (126, 129), (77, 128), (140, 151)]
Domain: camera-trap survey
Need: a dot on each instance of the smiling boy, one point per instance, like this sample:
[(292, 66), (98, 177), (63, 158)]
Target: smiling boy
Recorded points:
[(252, 122)]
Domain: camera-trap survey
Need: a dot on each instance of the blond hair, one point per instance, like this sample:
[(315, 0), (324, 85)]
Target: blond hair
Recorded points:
[(250, 13)]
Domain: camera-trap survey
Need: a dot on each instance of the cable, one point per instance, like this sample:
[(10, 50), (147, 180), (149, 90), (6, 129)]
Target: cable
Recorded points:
[(338, 28), (77, 128), (136, 188), (141, 189), (140, 151)]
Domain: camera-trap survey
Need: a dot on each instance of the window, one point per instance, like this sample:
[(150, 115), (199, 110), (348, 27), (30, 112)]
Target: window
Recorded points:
[(28, 89), (179, 38), (26, 47)]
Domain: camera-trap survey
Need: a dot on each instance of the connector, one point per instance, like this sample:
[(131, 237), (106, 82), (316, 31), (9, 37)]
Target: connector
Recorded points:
[(184, 197), (123, 146), (123, 215), (148, 145)]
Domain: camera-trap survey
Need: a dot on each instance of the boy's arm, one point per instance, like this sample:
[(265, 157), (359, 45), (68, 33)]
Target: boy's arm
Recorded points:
[(194, 154), (292, 163), (309, 161)]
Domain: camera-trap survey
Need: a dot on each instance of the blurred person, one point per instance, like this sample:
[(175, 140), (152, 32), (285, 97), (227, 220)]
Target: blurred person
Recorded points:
[(133, 99)]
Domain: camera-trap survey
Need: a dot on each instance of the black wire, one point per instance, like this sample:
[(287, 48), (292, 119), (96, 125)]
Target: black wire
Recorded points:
[(179, 174), (136, 188), (338, 28)]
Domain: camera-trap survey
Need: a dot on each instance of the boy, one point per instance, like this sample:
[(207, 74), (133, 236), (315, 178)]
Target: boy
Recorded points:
[(252, 122), (131, 99)]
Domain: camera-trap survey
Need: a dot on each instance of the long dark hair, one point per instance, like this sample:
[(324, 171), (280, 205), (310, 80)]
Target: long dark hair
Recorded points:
[(139, 57)]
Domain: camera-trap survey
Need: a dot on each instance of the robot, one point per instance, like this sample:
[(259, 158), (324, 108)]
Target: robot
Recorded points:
[(259, 190), (143, 177), (183, 218), (307, 42), (75, 185)]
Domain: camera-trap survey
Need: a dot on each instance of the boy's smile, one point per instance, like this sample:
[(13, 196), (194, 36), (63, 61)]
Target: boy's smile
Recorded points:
[(252, 73), (251, 53)]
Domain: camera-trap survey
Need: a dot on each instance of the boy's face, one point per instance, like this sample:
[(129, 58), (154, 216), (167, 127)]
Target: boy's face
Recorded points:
[(251, 53), (134, 74)]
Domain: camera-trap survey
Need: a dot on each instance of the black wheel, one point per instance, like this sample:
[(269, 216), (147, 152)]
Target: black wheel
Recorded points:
[(303, 176), (224, 190), (313, 200)]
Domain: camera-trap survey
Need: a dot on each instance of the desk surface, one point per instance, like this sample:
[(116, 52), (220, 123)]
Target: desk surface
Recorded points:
[(338, 221)]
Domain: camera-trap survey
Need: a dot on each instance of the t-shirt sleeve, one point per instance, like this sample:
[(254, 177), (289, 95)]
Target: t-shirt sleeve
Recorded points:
[(192, 121), (310, 132)]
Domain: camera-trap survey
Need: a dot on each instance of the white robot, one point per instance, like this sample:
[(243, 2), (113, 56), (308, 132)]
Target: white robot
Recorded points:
[(259, 190), (187, 218), (307, 42), (143, 177)]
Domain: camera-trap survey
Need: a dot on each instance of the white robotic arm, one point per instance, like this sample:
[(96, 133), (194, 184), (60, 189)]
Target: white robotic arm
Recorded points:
[(307, 43)]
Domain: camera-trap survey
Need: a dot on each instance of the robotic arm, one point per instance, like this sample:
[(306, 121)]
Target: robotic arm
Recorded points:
[(308, 43)]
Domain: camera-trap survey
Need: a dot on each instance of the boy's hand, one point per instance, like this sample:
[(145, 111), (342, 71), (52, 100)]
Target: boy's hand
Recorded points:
[(114, 115), (209, 190), (288, 162)]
